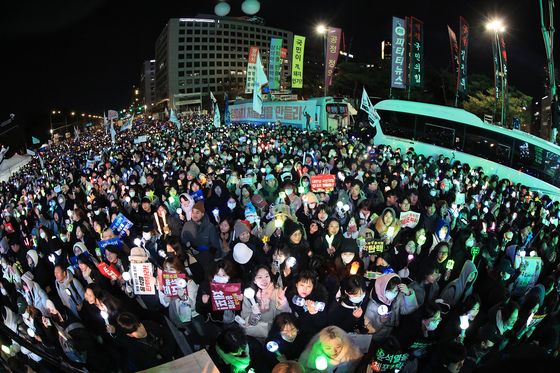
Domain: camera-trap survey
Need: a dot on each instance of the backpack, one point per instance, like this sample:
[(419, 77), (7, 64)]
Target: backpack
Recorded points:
[(68, 345)]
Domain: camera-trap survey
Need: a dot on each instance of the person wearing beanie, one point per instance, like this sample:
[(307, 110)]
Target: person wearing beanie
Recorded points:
[(201, 235), (347, 261)]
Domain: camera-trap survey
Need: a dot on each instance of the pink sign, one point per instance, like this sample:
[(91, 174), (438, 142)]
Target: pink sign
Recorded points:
[(333, 48), (226, 296)]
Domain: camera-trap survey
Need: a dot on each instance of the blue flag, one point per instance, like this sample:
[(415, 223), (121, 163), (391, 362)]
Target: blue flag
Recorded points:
[(173, 119), (227, 119), (35, 140), (127, 125)]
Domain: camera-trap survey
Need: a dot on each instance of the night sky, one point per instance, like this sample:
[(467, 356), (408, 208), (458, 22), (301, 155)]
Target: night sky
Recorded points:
[(86, 55)]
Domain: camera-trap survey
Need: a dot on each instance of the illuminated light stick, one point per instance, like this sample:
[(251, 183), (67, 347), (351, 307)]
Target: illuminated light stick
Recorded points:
[(321, 363), (249, 293), (382, 310), (390, 231), (137, 242), (291, 262), (126, 276), (410, 258), (474, 252), (464, 322), (31, 332), (278, 223), (354, 268)]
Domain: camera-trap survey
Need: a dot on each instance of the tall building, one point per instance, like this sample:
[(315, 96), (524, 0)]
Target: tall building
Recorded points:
[(148, 83), (385, 50), (209, 53)]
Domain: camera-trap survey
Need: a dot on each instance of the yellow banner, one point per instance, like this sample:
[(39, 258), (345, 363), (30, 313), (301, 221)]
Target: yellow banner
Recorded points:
[(297, 61)]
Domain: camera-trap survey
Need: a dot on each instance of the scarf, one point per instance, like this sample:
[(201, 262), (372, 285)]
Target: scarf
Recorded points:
[(238, 364)]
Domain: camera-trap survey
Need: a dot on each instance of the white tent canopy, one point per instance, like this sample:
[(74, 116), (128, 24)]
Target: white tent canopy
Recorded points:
[(13, 164)]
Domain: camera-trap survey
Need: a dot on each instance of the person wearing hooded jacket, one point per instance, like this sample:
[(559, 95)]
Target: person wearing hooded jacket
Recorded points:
[(269, 189), (33, 293), (69, 289), (389, 299), (459, 289), (40, 271), (201, 235)]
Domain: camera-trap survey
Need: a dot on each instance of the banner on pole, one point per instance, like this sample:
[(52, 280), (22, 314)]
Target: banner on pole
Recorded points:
[(225, 296), (333, 49), (297, 61), (367, 106), (454, 52), (227, 117), (398, 54), (274, 63), (142, 279), (504, 78), (416, 69), (462, 60), (251, 69), (112, 114)]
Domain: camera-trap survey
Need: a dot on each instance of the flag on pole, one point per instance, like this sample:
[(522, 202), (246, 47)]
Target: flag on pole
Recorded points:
[(173, 119), (227, 118), (367, 106), (128, 124), (35, 140), (216, 110), (112, 132), (260, 81), (76, 134), (166, 112), (30, 152), (105, 123)]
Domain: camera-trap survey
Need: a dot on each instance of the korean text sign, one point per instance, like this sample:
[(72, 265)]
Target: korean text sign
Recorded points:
[(225, 296)]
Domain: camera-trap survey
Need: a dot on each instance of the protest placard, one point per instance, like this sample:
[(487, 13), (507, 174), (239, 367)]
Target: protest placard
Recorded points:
[(225, 296), (409, 219), (142, 279), (375, 246), (121, 224), (530, 271), (167, 282), (323, 183)]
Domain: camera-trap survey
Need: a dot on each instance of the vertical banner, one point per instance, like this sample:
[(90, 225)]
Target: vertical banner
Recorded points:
[(333, 49), (454, 53), (142, 279), (297, 61), (416, 71), (497, 79), (274, 63), (398, 54), (504, 78), (251, 68), (462, 76)]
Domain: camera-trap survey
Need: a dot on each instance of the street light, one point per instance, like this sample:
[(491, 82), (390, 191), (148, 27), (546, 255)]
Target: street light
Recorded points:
[(322, 30), (497, 27)]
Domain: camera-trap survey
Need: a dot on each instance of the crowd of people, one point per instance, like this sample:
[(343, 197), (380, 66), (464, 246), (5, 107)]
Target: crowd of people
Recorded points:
[(410, 262)]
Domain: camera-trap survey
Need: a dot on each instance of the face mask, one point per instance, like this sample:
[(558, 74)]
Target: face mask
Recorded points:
[(96, 212), (432, 325), (390, 295), (288, 191), (288, 339), (132, 194), (305, 183), (358, 299), (347, 257), (231, 205), (221, 279), (146, 236), (43, 235)]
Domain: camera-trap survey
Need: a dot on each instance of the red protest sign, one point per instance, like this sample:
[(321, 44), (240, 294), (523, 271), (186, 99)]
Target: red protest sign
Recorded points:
[(226, 296), (168, 282), (109, 271), (324, 182)]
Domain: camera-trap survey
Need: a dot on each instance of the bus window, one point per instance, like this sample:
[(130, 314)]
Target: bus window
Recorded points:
[(537, 162), (397, 124), (489, 145), (444, 133)]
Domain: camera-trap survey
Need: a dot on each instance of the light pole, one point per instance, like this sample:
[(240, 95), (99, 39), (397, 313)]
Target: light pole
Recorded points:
[(500, 70), (322, 29)]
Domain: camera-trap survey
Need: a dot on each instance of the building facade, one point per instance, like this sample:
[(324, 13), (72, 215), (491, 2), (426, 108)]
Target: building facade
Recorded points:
[(148, 83), (209, 53)]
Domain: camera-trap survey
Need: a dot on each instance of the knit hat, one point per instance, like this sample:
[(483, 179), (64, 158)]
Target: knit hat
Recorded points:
[(34, 257), (290, 227), (311, 198), (199, 206), (242, 253), (138, 255), (241, 227), (349, 245)]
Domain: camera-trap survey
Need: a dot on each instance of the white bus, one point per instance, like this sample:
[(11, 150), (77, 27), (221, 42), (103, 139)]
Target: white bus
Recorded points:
[(459, 134), (321, 113)]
